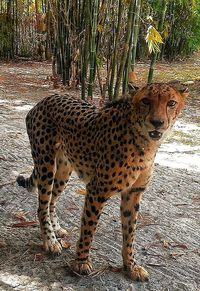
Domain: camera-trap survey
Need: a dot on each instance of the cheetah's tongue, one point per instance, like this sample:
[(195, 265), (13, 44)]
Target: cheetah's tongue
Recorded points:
[(155, 134)]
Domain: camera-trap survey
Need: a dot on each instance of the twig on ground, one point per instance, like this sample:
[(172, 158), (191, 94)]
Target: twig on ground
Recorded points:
[(156, 265), (8, 183), (96, 272), (25, 224)]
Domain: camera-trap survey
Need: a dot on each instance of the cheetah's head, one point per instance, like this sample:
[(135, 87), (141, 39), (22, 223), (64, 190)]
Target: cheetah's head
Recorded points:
[(157, 107)]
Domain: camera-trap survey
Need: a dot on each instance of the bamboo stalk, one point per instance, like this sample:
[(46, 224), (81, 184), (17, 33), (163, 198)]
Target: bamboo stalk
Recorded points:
[(135, 33), (133, 38), (93, 48), (113, 62), (85, 45), (160, 28), (125, 50)]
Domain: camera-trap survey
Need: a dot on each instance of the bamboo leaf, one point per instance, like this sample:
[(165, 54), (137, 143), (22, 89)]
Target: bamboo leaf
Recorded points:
[(153, 39)]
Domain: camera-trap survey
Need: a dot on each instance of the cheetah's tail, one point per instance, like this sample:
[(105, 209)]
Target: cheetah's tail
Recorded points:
[(29, 183)]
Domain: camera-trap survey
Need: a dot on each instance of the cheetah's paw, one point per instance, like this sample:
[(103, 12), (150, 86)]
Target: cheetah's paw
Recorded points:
[(83, 268), (52, 247), (138, 273), (61, 232)]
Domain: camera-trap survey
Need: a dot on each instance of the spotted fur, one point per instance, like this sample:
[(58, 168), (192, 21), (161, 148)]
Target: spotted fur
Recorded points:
[(112, 150)]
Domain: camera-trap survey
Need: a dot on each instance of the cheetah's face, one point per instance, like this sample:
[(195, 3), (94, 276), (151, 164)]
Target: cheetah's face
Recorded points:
[(158, 106)]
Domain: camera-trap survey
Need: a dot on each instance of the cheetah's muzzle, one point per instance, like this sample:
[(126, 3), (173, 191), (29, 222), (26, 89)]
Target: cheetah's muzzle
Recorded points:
[(155, 134)]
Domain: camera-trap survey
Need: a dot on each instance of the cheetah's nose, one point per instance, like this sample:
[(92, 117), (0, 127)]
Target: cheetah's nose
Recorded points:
[(157, 122)]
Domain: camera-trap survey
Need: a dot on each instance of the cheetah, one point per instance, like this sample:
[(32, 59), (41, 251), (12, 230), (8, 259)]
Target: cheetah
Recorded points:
[(112, 149)]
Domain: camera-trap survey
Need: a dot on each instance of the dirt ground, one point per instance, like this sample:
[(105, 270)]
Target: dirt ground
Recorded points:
[(168, 235)]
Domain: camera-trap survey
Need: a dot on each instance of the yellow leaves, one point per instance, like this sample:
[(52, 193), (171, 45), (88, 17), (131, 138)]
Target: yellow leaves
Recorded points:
[(150, 19), (153, 39), (166, 31), (100, 28), (32, 7)]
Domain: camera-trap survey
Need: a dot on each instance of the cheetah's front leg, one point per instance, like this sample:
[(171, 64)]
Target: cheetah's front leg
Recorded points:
[(91, 213), (129, 212)]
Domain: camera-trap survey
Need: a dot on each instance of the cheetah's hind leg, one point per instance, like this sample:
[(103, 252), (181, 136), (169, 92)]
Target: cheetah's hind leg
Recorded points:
[(63, 172)]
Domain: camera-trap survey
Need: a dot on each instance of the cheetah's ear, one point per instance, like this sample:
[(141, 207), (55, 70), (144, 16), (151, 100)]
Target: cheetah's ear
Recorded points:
[(132, 88), (184, 92)]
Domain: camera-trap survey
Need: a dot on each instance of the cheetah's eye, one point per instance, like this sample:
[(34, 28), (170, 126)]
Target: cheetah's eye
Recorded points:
[(171, 103), (146, 101)]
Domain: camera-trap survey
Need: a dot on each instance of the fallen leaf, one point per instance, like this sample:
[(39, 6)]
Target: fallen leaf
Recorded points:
[(21, 216), (81, 191), (175, 255), (65, 244), (179, 245), (166, 243)]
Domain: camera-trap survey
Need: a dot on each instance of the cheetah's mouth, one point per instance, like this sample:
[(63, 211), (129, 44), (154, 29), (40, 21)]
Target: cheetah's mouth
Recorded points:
[(155, 134)]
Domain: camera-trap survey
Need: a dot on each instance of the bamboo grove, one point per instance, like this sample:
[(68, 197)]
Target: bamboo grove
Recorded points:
[(95, 43)]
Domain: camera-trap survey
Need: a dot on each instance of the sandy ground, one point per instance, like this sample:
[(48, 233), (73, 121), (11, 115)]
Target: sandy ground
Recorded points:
[(168, 236)]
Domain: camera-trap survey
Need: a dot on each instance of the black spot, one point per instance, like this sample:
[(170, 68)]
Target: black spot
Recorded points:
[(43, 191), (93, 208), (91, 199), (46, 159), (50, 182), (44, 169), (80, 246), (42, 140), (121, 164), (113, 189), (44, 177), (112, 165), (88, 213), (138, 189), (102, 199), (43, 202), (52, 162), (127, 213), (90, 222), (137, 206)]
